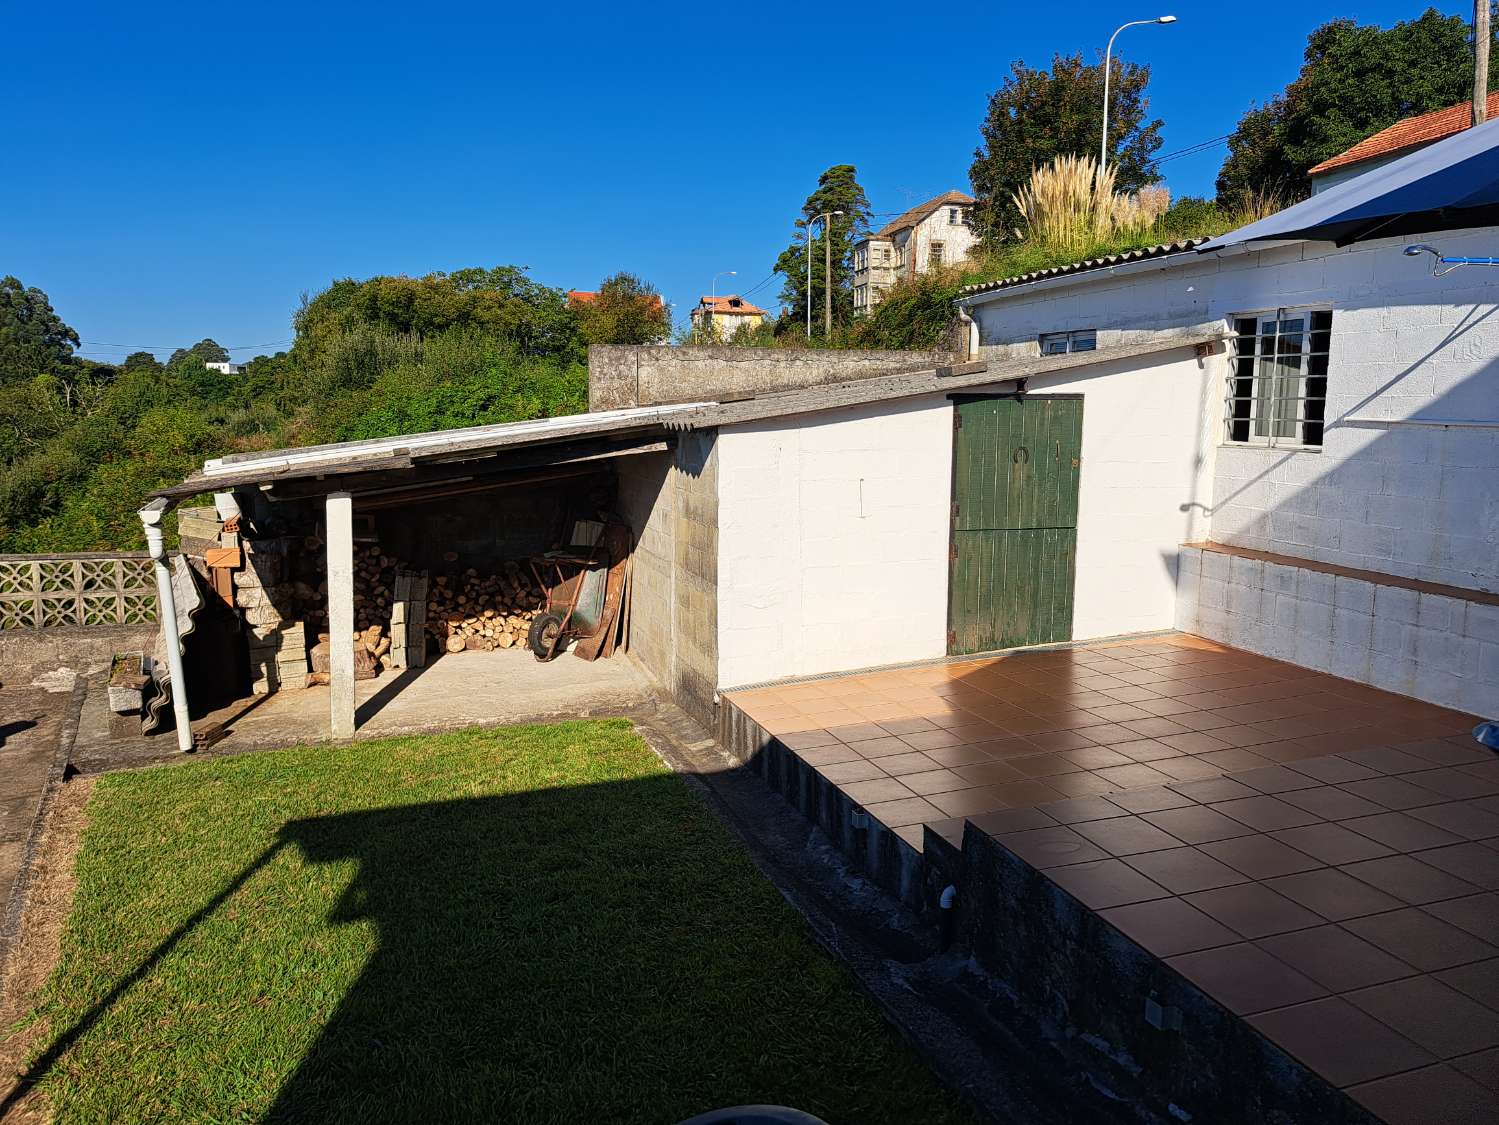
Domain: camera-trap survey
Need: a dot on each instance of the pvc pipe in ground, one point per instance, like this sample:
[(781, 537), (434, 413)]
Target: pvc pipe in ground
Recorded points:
[(166, 606)]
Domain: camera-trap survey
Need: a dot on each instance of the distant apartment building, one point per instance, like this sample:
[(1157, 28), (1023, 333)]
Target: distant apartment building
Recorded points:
[(224, 367), (725, 316), (931, 234)]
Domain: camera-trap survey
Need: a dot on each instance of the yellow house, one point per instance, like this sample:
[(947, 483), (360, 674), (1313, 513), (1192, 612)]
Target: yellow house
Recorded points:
[(726, 315)]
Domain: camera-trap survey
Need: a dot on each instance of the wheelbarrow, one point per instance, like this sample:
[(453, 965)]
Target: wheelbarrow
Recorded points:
[(575, 585)]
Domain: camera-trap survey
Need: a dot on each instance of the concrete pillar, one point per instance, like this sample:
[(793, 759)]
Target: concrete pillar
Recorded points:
[(340, 547), (166, 612)]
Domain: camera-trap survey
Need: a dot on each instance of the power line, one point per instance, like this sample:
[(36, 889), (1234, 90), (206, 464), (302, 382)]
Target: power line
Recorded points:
[(164, 347)]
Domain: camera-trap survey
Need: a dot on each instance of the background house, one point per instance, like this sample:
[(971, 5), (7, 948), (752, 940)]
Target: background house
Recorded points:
[(1399, 139), (926, 236), (724, 316)]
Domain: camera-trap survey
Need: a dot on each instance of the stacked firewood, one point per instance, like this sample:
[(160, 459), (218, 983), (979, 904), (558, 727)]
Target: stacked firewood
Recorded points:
[(483, 612)]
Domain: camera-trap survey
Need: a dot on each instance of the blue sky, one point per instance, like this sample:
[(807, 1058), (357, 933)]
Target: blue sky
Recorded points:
[(176, 171)]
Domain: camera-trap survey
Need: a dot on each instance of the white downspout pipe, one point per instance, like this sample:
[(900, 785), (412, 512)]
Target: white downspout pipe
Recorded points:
[(166, 607)]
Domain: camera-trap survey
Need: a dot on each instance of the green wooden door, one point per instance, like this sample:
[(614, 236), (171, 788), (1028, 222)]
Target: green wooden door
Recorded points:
[(1014, 521)]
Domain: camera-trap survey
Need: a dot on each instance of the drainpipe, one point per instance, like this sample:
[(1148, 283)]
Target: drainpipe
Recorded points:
[(166, 603)]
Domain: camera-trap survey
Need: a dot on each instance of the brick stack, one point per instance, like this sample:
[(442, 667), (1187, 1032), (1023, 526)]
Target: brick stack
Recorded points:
[(271, 606), (408, 620)]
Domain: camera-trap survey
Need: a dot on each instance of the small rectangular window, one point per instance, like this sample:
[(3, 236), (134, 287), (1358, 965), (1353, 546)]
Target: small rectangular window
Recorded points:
[(954, 216), (934, 255), (1277, 381), (1060, 343)]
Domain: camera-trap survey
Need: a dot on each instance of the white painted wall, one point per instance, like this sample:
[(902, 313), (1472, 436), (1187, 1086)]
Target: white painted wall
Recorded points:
[(1413, 501), (834, 528)]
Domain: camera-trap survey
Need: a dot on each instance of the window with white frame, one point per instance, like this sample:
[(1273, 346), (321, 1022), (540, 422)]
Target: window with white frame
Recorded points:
[(1277, 381), (954, 216), (1060, 343), (861, 258)]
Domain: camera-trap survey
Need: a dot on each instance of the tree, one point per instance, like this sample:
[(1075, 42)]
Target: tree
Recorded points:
[(1038, 115), (837, 190), (626, 310), (33, 338), (1355, 81), (206, 351)]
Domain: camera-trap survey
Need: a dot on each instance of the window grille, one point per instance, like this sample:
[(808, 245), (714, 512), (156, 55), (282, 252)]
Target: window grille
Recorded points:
[(1277, 382)]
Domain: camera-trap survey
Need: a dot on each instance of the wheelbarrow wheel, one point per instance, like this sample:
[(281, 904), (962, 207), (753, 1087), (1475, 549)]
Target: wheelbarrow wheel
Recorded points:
[(545, 638)]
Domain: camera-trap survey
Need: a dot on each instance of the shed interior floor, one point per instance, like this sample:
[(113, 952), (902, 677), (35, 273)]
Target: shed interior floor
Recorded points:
[(458, 690)]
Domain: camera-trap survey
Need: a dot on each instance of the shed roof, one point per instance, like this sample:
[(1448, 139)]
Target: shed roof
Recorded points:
[(1140, 255)]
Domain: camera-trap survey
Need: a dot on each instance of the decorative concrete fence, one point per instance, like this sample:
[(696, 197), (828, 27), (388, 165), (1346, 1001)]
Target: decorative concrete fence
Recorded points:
[(52, 591)]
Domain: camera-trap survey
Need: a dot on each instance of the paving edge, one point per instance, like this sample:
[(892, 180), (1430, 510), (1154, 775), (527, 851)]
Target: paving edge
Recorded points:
[(20, 891)]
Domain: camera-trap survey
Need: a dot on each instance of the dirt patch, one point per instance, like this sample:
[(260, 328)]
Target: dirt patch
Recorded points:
[(37, 948)]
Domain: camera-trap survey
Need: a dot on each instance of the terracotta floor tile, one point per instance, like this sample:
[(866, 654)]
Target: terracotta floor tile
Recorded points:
[(1330, 769), (1153, 799), (1235, 760), (897, 814), (844, 773), (935, 781), (1478, 914), (1454, 783), (1201, 720), (1187, 768), (907, 726), (1130, 693), (1145, 750), (1135, 775), (859, 732), (950, 829), (897, 764), (1472, 862), (1423, 1009), (1018, 794), (1253, 910), (1483, 1068), (1061, 740), (810, 739), (1330, 802), (1125, 836), (1213, 789), (989, 773), (1196, 824), (912, 834), (1335, 958), (1442, 752), (1401, 832), (829, 755), (1184, 870), (877, 748), (1260, 857), (1480, 980), (1108, 734), (1265, 814), (1393, 793), (1104, 883), (1123, 712), (1245, 979), (1051, 846), (1083, 784), (969, 802), (1335, 895), (1168, 927), (1410, 880), (1275, 780), (1431, 1094), (1164, 707), (1340, 1042), (1242, 735), (1012, 820), (951, 756), (934, 739), (1388, 760), (875, 790), (1075, 810), (1421, 939), (1154, 726), (1461, 819), (1331, 843)]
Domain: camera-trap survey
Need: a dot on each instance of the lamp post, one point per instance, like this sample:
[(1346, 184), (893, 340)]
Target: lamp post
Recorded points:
[(824, 219), (1103, 147), (713, 291)]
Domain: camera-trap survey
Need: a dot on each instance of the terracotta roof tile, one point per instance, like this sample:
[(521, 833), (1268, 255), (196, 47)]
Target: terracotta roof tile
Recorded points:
[(727, 305), (1409, 133), (921, 211)]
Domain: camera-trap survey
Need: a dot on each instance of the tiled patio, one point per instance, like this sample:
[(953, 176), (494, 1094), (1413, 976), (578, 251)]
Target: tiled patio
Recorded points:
[(1319, 857)]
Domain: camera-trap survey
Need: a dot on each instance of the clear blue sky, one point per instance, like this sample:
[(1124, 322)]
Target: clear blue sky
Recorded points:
[(176, 171)]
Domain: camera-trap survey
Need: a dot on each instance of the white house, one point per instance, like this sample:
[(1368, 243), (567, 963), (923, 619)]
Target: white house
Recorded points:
[(928, 235), (224, 367)]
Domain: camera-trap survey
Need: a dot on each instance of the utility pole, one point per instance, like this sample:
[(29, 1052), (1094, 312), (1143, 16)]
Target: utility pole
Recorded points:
[(1480, 61), (825, 218)]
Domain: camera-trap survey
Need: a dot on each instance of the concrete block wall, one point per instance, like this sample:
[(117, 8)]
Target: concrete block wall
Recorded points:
[(1382, 494), (622, 375), (646, 496), (1443, 650)]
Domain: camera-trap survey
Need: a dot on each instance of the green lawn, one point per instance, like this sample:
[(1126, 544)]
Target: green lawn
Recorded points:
[(538, 924)]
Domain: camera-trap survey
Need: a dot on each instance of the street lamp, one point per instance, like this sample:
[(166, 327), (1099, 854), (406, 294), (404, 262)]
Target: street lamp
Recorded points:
[(824, 219), (1103, 148), (721, 273)]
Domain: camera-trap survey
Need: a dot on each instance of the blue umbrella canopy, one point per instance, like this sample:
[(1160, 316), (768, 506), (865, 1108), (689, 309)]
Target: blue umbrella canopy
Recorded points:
[(1445, 186)]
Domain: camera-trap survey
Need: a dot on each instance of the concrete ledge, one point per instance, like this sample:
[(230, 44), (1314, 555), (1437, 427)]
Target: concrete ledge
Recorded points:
[(26, 652)]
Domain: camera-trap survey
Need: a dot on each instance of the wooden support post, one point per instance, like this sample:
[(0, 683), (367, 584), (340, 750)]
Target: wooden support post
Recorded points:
[(340, 547)]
